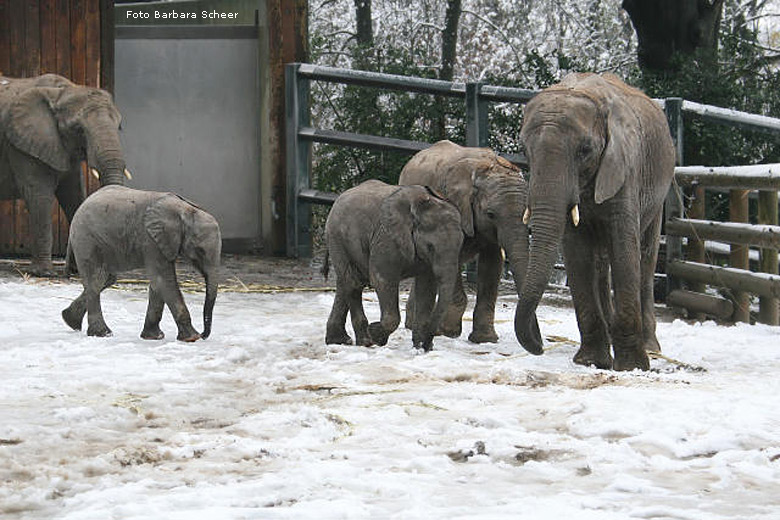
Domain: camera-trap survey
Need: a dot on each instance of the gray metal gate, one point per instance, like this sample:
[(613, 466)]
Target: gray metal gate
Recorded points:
[(189, 100)]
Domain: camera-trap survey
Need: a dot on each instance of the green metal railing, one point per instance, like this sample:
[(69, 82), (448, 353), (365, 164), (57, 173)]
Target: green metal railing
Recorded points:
[(300, 133)]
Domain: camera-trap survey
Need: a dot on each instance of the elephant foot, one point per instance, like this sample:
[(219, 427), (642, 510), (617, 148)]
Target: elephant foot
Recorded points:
[(483, 336), (422, 340), (188, 337), (378, 334), (341, 338), (450, 327), (590, 356), (100, 330), (630, 359), (42, 270), (652, 345), (152, 333), (72, 318)]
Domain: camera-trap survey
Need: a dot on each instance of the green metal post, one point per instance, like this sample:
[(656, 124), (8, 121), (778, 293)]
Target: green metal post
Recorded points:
[(674, 199), (298, 158), (476, 116)]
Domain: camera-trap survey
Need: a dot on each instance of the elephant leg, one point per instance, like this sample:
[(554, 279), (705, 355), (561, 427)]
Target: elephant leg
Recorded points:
[(583, 275), (336, 331), (626, 331), (36, 184), (96, 280), (650, 239), (74, 313), (452, 323), (489, 268), (70, 193), (410, 313), (154, 312), (390, 317), (358, 316), (422, 333), (164, 281)]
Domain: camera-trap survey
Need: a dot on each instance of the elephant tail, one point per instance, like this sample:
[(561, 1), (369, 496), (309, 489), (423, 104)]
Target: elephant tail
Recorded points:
[(70, 261), (325, 265)]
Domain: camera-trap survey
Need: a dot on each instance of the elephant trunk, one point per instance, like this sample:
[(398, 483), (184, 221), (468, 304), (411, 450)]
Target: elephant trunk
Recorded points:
[(548, 221), (208, 305), (104, 153), (517, 256)]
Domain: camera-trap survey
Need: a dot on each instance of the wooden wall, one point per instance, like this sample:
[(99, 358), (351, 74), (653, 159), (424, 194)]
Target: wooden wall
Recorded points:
[(73, 38)]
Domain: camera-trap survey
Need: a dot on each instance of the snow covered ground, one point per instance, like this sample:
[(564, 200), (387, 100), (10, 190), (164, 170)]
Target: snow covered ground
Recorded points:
[(263, 420)]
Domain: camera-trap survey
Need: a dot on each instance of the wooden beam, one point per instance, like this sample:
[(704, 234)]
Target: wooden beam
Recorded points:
[(729, 232), (735, 279), (753, 177), (739, 257), (107, 45), (769, 312), (700, 303)]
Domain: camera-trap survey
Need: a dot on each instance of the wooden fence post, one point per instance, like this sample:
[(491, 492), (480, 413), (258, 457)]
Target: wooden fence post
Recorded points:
[(674, 203), (767, 214), (739, 256)]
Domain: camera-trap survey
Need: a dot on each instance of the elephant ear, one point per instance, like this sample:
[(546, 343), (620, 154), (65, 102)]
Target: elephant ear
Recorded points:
[(163, 223), (460, 189), (621, 152), (32, 127), (394, 236)]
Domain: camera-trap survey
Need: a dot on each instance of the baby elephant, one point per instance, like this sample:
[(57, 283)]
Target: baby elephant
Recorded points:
[(378, 234), (119, 228)]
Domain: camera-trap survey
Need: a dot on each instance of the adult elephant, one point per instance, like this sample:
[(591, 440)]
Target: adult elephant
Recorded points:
[(48, 125), (600, 152), (490, 194)]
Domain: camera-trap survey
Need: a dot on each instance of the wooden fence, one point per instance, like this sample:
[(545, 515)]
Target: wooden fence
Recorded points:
[(692, 268), (687, 276), (73, 38)]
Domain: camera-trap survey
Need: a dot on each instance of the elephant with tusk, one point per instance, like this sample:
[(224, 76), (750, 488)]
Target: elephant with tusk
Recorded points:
[(600, 153), (490, 194), (48, 126)]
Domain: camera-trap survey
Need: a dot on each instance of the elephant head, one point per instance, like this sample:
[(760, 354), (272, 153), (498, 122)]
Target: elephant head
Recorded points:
[(489, 192), (179, 227), (420, 231), (60, 123), (581, 140)]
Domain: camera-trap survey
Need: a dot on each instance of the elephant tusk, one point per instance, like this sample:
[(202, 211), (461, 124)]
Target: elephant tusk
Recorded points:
[(94, 173), (575, 215), (127, 174), (527, 216)]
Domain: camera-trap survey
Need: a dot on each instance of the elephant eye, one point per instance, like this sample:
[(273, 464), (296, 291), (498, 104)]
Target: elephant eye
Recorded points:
[(585, 149), (491, 214)]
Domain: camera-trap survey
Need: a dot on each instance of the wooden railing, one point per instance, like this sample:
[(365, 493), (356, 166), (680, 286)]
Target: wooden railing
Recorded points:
[(689, 276)]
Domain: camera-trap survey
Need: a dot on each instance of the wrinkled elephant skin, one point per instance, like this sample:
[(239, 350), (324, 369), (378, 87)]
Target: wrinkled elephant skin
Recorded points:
[(119, 228), (48, 126), (601, 163), (490, 194), (377, 235)]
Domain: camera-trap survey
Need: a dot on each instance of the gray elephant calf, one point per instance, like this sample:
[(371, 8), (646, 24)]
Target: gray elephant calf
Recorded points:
[(379, 234), (119, 228)]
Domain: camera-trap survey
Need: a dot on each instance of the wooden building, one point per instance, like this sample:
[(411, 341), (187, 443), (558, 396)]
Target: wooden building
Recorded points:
[(73, 38)]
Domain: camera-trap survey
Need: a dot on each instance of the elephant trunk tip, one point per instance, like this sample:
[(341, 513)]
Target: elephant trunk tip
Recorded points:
[(528, 333)]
